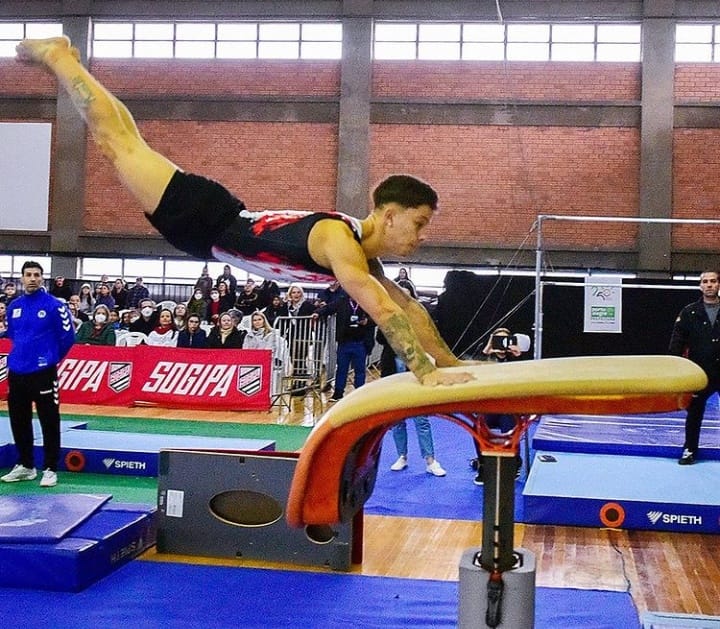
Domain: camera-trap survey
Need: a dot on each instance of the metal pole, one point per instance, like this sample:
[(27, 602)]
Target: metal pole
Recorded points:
[(537, 350)]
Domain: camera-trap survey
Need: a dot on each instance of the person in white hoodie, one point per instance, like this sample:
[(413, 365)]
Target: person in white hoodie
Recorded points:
[(262, 335)]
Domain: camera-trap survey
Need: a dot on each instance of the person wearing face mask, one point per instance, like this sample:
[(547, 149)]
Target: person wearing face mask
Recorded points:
[(212, 314), (148, 318), (98, 330), (198, 304)]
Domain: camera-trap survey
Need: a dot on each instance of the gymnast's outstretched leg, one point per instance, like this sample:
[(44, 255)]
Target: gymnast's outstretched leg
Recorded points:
[(142, 170)]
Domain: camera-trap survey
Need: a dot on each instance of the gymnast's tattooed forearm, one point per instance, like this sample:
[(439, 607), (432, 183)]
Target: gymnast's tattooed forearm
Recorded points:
[(82, 94), (402, 339)]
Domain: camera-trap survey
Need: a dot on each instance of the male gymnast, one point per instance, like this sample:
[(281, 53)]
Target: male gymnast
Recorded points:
[(203, 219)]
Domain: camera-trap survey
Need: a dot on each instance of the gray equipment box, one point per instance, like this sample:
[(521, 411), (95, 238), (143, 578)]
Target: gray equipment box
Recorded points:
[(232, 504)]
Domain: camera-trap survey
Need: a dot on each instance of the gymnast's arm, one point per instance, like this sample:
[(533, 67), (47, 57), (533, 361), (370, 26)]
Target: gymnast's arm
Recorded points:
[(347, 260), (420, 319)]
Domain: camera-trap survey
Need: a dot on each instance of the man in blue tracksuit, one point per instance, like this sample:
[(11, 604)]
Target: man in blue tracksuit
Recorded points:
[(42, 332)]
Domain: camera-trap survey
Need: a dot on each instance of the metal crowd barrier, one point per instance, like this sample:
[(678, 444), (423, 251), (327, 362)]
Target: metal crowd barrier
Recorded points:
[(311, 357)]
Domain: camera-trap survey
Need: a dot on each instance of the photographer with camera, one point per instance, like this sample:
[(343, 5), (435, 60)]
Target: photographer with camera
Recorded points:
[(502, 346)]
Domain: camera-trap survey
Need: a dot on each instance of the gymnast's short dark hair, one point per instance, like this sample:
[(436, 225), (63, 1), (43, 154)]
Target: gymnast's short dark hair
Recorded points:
[(405, 190)]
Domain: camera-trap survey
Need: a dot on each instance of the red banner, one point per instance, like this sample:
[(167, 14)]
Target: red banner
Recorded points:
[(171, 377)]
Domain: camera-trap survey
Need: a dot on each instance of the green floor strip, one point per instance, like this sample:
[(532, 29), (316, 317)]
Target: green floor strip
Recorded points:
[(136, 489), (287, 438), (142, 489)]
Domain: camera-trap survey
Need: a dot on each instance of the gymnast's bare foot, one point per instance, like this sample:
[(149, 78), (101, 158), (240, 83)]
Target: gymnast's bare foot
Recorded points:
[(44, 51)]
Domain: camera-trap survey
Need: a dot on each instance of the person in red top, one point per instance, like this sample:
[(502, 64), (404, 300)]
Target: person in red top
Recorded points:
[(287, 245)]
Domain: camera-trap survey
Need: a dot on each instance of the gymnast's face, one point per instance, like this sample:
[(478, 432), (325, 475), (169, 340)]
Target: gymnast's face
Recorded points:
[(405, 227)]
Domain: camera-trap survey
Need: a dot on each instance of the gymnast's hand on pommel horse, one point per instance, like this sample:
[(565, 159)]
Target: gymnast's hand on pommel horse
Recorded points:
[(203, 219)]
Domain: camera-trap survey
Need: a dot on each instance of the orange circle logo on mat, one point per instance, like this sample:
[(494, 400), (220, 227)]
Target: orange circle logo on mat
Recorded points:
[(74, 461), (612, 515)]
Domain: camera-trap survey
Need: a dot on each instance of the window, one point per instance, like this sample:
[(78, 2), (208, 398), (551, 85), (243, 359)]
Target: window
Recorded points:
[(12, 32), (697, 43), (515, 41), (150, 269), (11, 265), (218, 40)]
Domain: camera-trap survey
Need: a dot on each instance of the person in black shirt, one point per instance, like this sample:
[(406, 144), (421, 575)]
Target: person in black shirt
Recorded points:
[(193, 335), (225, 335), (351, 333), (696, 333)]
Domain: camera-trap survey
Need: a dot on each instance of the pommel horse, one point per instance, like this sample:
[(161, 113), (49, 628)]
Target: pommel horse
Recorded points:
[(337, 467)]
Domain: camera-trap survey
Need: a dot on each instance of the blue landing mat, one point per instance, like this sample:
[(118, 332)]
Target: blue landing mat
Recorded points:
[(45, 519), (65, 425), (109, 538), (8, 454), (661, 620), (628, 492), (642, 435), (415, 493), (135, 454), (155, 595)]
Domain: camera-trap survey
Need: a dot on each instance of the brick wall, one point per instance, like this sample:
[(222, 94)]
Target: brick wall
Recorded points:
[(697, 82), (267, 165), (219, 77), (696, 187), (456, 80), (493, 180)]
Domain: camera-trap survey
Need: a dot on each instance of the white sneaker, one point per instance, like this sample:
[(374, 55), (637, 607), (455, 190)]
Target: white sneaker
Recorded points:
[(435, 469), (49, 479), (400, 464), (19, 472)]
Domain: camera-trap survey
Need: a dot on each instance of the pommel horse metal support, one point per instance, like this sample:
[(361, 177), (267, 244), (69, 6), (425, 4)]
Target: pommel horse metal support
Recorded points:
[(337, 467), (497, 570)]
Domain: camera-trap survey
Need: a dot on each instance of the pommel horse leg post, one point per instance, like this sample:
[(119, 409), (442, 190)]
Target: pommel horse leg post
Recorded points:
[(497, 581)]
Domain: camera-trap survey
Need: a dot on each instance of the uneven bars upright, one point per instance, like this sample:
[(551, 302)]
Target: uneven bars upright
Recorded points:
[(537, 350)]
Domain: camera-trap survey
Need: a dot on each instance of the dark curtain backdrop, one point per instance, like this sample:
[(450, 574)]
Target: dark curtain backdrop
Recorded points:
[(473, 305)]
